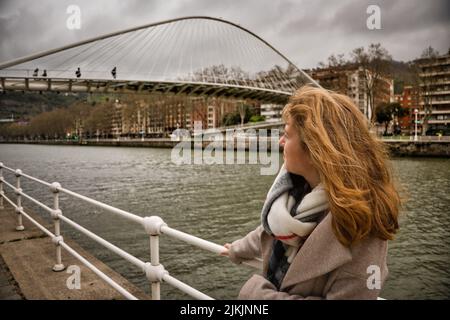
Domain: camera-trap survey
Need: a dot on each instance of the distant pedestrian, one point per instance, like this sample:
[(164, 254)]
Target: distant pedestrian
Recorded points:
[(78, 72)]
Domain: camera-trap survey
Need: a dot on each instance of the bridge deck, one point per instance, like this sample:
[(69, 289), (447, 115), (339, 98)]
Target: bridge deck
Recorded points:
[(103, 86)]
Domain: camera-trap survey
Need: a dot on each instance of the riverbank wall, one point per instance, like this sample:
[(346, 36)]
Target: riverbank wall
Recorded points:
[(419, 148), (397, 148)]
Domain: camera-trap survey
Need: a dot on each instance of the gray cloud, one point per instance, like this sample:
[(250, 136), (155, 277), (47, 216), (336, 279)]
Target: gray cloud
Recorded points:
[(305, 31)]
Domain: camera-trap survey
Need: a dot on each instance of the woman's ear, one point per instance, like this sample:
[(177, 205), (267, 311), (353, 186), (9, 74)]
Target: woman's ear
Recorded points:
[(308, 154)]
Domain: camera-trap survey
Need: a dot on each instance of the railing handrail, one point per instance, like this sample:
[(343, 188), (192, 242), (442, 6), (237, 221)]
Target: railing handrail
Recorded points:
[(153, 225), (60, 241)]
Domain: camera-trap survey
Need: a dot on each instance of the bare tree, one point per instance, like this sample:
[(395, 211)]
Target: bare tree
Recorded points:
[(100, 119), (429, 53), (375, 63), (241, 108), (79, 112), (336, 61)]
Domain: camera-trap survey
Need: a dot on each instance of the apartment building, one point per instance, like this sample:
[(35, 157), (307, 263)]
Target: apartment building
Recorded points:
[(272, 112), (351, 81), (409, 100), (434, 104)]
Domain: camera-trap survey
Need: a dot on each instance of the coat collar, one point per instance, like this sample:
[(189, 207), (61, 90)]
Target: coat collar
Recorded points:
[(320, 254)]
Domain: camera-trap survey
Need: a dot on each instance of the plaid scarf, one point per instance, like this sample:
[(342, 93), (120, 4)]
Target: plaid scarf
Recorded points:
[(290, 213)]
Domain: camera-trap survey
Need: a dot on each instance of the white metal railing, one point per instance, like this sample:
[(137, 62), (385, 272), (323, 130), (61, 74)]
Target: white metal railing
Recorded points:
[(153, 225)]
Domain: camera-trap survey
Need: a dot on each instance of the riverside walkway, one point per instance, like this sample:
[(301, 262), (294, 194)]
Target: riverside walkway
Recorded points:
[(26, 262), (9, 289), (426, 146)]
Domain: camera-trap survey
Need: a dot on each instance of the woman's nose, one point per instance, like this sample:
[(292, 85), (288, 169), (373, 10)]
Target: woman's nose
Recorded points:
[(281, 142)]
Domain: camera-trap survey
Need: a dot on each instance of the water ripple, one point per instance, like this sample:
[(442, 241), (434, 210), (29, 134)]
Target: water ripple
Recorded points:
[(222, 203)]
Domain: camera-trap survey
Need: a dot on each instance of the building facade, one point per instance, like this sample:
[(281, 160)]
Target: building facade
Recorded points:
[(352, 81), (409, 100), (271, 112), (159, 116), (434, 75)]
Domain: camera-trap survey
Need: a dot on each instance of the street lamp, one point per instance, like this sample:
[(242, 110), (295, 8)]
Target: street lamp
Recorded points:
[(416, 111)]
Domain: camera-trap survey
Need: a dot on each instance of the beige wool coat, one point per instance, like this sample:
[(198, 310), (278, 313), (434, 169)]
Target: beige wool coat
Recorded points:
[(322, 269)]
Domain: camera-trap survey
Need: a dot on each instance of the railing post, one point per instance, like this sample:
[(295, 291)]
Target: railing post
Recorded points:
[(154, 260), (19, 208), (59, 266), (154, 270), (1, 185)]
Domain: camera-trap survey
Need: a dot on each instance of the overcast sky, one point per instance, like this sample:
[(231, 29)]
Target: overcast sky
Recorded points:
[(306, 31)]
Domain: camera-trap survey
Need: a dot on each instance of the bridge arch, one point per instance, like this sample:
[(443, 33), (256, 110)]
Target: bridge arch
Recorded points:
[(193, 55)]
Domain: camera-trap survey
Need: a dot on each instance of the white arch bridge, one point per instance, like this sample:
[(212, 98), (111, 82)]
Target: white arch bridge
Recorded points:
[(190, 55)]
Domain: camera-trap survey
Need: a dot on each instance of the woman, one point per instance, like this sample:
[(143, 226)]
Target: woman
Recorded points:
[(330, 211)]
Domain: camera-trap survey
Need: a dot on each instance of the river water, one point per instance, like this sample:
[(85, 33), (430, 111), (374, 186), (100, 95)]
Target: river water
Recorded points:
[(221, 203)]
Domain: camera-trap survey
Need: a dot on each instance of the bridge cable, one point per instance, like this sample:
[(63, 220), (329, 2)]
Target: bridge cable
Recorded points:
[(106, 43), (171, 50), (118, 55), (142, 58), (158, 48)]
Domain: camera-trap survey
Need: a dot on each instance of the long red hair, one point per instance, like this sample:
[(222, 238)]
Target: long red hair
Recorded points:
[(353, 165)]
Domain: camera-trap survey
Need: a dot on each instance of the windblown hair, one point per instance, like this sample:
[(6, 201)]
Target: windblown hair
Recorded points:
[(352, 164)]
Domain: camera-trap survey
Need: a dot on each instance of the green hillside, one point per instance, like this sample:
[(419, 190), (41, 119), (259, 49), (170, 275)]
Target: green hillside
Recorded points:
[(26, 105)]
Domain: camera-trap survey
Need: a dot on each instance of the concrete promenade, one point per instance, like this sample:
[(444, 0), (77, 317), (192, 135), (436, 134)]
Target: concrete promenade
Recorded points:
[(27, 258)]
